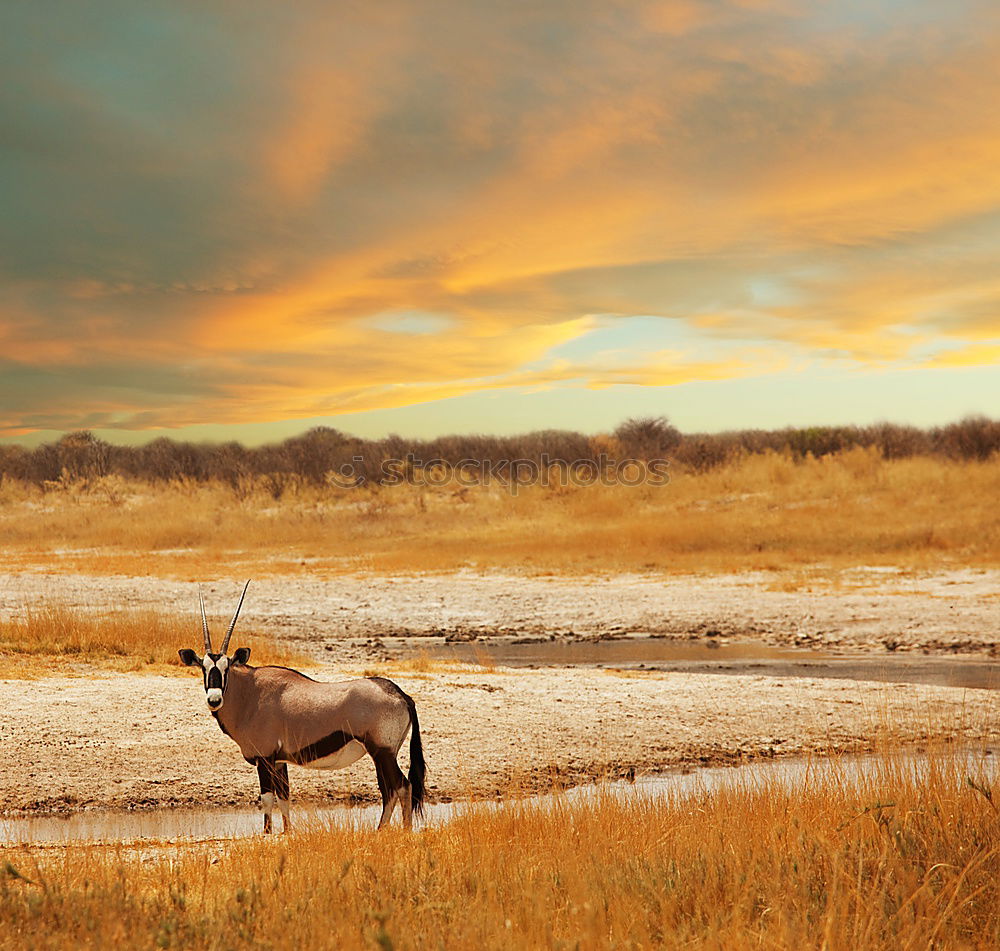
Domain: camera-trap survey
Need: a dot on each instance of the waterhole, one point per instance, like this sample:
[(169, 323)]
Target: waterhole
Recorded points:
[(711, 656)]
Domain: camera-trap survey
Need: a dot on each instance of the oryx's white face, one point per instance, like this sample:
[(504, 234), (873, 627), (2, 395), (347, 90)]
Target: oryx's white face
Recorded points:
[(215, 670)]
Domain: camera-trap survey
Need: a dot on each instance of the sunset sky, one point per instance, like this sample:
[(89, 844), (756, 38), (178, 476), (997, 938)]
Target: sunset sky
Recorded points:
[(240, 220)]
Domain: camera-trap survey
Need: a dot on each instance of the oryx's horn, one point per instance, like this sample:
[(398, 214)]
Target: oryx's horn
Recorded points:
[(232, 623), (204, 624)]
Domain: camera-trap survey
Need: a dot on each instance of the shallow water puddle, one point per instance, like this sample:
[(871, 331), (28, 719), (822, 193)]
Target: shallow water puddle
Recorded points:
[(179, 825), (713, 657), (165, 824)]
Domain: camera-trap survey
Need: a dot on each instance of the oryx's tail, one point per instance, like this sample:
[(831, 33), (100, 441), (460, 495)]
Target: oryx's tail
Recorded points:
[(417, 767)]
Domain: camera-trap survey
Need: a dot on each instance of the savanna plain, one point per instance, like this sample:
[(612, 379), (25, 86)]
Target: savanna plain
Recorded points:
[(846, 552)]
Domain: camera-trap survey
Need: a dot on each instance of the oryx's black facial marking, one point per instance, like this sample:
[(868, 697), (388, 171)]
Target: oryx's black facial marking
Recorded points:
[(215, 668), (215, 672)]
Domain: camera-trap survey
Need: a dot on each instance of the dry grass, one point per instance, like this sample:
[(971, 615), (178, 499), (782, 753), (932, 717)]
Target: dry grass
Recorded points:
[(52, 638), (899, 860), (767, 511), (422, 665), (419, 662)]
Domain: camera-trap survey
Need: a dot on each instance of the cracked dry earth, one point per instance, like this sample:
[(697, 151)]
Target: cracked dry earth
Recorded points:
[(143, 740)]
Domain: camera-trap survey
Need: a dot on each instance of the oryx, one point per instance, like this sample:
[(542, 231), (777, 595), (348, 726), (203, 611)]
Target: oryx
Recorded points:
[(279, 716)]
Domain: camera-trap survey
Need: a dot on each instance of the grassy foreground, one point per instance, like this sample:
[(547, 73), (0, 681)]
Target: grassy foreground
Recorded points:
[(896, 860), (762, 511)]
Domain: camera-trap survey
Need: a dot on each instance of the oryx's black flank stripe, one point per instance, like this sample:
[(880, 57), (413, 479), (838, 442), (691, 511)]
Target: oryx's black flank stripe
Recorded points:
[(330, 744)]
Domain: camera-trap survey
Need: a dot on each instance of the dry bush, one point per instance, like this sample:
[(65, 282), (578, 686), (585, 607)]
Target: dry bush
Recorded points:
[(647, 438), (130, 639), (975, 437), (311, 458), (899, 859), (703, 453)]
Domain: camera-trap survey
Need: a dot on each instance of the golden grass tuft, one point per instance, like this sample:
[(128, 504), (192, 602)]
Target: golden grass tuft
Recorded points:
[(764, 511), (121, 640), (899, 859), (423, 665), (483, 657)]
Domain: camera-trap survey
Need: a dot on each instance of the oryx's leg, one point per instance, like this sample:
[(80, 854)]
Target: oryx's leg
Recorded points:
[(267, 770), (406, 803), (393, 786), (383, 788), (281, 791)]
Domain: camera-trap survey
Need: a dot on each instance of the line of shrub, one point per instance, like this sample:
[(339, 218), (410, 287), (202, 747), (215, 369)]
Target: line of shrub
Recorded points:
[(311, 456)]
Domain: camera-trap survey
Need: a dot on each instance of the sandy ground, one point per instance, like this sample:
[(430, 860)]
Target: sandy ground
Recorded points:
[(127, 741), (133, 741)]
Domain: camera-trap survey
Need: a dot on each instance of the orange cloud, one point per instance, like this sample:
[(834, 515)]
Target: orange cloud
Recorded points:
[(779, 181), (971, 356)]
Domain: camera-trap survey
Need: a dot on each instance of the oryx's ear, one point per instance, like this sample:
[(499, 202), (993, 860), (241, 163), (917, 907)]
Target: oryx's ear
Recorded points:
[(241, 656), (189, 658)]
